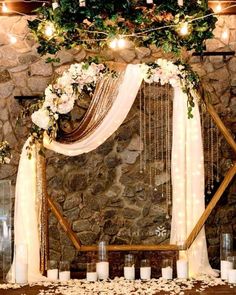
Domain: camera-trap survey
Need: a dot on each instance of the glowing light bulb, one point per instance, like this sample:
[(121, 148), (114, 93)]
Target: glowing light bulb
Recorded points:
[(113, 44), (12, 39), (218, 8), (225, 34), (49, 30), (4, 8), (121, 43), (184, 29)]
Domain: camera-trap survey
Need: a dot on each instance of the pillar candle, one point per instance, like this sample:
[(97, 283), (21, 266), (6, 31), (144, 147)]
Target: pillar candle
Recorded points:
[(232, 276), (21, 264), (102, 270), (129, 272), (225, 266), (182, 269), (64, 276), (167, 273), (149, 1), (145, 273), (52, 274), (91, 276), (180, 2)]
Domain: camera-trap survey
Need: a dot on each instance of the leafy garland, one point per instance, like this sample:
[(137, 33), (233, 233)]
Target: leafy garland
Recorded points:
[(5, 153), (102, 20), (60, 97)]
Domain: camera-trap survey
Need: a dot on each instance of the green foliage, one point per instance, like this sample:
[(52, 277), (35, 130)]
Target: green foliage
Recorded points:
[(93, 25)]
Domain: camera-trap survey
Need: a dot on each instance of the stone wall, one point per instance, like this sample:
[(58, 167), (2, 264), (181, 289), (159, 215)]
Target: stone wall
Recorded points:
[(102, 193)]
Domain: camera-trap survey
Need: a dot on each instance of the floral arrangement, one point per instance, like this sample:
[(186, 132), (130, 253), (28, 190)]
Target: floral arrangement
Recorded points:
[(93, 24), (60, 97), (176, 73), (5, 153)]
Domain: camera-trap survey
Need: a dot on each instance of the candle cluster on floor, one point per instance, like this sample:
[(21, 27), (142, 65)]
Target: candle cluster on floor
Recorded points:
[(122, 286)]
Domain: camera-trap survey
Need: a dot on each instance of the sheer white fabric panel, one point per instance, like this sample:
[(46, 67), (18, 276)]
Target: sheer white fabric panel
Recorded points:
[(188, 182), (26, 223), (118, 112)]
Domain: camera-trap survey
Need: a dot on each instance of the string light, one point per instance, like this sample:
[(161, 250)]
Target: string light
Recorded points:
[(5, 8), (225, 34), (184, 29), (117, 43), (12, 39), (49, 30), (218, 8)]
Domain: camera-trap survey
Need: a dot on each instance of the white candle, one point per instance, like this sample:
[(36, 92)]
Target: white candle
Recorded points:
[(182, 269), (21, 273), (129, 272), (21, 264), (145, 273), (52, 274), (225, 266), (232, 276), (102, 268), (149, 1), (91, 276), (64, 276), (180, 2), (167, 273)]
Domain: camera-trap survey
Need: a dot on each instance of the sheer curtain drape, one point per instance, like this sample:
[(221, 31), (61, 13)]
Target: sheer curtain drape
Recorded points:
[(187, 158)]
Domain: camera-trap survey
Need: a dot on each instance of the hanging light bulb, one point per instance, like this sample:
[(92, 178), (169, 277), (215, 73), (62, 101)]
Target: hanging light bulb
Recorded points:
[(5, 8), (12, 39), (121, 43), (113, 43), (184, 29), (49, 30), (225, 34), (218, 8)]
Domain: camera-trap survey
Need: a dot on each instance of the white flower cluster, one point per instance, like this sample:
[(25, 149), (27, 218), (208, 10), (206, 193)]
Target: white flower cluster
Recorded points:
[(164, 72), (5, 153), (60, 97)]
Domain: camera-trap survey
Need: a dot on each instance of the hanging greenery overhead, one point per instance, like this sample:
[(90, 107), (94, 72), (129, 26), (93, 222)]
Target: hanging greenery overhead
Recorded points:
[(96, 23)]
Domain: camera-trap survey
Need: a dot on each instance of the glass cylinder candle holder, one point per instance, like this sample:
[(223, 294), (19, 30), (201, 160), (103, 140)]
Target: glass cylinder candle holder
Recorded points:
[(145, 269), (52, 270), (91, 274), (102, 266), (21, 264), (167, 269), (226, 248), (226, 245), (64, 271), (129, 267)]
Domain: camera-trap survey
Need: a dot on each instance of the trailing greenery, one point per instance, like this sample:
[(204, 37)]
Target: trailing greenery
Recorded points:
[(101, 20)]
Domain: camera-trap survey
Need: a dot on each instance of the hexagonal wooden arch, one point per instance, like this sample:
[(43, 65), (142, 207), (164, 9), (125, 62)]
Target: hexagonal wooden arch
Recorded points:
[(47, 201)]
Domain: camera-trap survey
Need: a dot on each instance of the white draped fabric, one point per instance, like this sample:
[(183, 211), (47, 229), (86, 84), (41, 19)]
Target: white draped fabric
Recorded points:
[(187, 165), (187, 174), (26, 223)]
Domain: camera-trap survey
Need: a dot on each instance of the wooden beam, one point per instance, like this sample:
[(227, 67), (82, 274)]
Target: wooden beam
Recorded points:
[(64, 223), (228, 177), (228, 136), (132, 248)]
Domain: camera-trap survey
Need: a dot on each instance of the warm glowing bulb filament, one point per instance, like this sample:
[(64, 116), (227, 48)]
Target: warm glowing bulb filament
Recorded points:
[(4, 8), (218, 7), (49, 30)]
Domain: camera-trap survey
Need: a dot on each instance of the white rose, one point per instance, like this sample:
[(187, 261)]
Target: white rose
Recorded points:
[(65, 104), (41, 118)]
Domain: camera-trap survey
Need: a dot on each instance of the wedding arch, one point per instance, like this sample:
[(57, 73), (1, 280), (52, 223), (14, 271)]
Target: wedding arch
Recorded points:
[(112, 99)]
